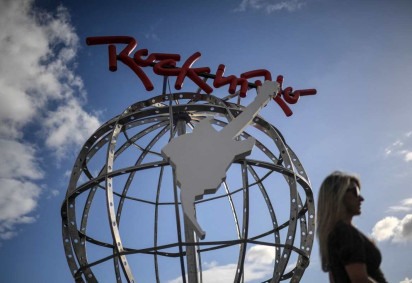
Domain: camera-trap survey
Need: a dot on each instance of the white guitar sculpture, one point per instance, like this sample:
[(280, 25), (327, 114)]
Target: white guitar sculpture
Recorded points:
[(202, 158)]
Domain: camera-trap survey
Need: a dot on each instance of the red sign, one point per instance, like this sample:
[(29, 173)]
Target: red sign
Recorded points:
[(164, 64)]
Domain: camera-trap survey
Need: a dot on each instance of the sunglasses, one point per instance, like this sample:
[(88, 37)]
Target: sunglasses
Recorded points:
[(354, 190)]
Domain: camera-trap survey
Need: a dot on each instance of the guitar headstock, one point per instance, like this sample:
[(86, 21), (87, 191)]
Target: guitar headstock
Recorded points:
[(268, 88)]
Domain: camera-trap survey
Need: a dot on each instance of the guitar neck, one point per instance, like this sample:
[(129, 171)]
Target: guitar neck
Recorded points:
[(237, 125)]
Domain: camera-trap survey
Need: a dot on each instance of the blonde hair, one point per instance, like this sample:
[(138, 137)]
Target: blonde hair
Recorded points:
[(331, 209)]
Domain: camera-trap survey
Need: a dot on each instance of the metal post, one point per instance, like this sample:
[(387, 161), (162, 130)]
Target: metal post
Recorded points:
[(191, 256)]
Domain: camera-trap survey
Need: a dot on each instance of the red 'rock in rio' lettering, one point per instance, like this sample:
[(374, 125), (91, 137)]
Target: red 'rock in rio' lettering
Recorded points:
[(185, 70), (231, 80), (165, 64), (123, 56)]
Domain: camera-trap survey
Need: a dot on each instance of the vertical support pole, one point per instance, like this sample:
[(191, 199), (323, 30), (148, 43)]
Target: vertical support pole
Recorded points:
[(191, 257)]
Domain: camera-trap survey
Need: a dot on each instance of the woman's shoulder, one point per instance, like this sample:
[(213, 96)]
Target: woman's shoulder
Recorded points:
[(340, 225), (346, 243), (344, 230)]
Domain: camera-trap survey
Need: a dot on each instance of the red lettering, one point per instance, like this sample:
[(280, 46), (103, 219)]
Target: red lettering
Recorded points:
[(193, 74), (165, 64), (112, 58), (283, 105), (277, 98), (123, 56), (185, 71), (153, 58), (304, 92), (290, 97), (163, 68), (256, 73), (231, 80)]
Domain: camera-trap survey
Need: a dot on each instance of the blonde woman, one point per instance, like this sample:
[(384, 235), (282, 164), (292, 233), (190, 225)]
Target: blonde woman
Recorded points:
[(346, 254)]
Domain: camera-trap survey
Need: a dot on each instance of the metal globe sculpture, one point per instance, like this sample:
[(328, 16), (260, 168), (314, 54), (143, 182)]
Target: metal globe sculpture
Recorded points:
[(124, 219)]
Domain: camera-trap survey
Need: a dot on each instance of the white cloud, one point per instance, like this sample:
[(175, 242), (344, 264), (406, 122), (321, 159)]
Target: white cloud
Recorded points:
[(261, 255), (385, 228), (270, 6), (17, 199), (401, 147), (406, 280), (151, 32), (38, 86), (67, 126), (407, 202), (53, 193), (408, 156), (393, 229), (18, 160), (399, 208), (258, 265), (404, 206)]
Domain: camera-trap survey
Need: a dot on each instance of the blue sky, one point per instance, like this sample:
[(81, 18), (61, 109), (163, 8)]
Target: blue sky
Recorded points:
[(55, 91)]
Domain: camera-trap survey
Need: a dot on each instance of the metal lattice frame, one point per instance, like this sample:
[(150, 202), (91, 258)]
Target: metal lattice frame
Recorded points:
[(164, 117)]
